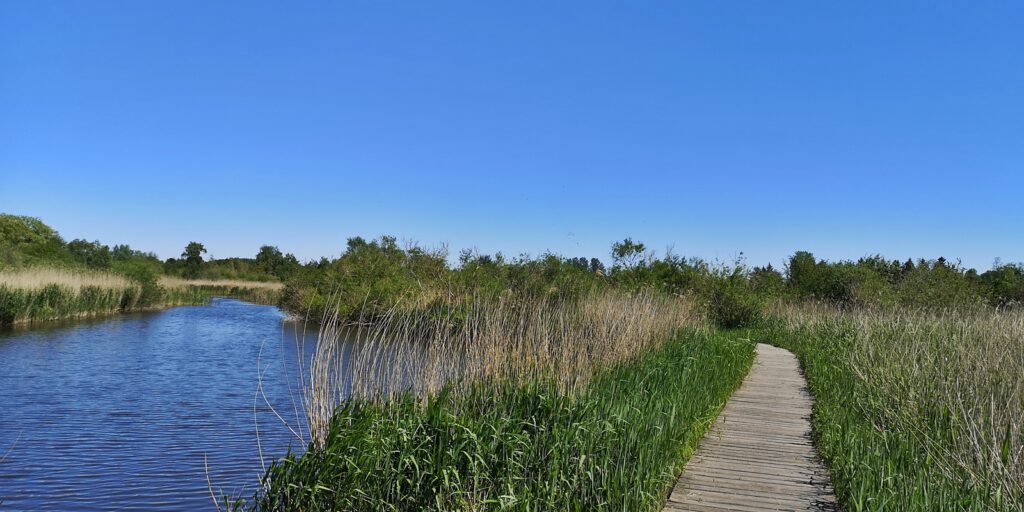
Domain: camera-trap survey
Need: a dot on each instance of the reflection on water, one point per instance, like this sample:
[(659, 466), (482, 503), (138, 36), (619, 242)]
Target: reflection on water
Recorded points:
[(122, 413)]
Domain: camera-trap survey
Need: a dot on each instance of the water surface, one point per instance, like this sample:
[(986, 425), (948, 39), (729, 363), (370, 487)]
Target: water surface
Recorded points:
[(126, 413)]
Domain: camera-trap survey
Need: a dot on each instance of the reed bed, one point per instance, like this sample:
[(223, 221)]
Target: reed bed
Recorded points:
[(177, 282), (421, 349), (177, 291), (41, 294), (37, 278), (508, 402), (916, 409)]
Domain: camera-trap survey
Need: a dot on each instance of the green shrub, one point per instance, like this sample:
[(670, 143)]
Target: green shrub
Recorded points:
[(731, 303), (150, 293)]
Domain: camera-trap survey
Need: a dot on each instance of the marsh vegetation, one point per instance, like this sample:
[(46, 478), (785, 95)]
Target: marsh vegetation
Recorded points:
[(553, 382), (916, 409), (915, 366), (39, 294), (44, 278), (519, 403)]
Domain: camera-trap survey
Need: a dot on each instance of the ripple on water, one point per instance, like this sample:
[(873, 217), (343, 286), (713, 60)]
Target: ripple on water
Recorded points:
[(120, 414)]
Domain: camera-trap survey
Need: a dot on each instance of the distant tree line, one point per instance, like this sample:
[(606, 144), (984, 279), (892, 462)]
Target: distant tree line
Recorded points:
[(373, 275), (377, 274), (26, 241)]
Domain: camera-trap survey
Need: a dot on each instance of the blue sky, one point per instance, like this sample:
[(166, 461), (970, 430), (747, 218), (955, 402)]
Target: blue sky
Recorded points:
[(845, 128)]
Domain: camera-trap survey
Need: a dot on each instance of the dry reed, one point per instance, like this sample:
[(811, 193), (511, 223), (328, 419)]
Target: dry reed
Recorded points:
[(950, 379), (42, 294), (506, 338), (177, 282), (36, 278)]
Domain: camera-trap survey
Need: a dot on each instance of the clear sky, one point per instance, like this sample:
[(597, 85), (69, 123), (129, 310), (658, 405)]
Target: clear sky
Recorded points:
[(843, 128)]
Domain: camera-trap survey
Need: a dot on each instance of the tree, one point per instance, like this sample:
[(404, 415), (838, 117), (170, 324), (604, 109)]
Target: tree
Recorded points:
[(91, 254), (193, 257), (27, 239), (766, 280), (801, 272), (1004, 283), (122, 252), (271, 261), (627, 253)]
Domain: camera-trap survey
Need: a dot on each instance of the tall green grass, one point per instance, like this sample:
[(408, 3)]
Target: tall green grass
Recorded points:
[(617, 444), (915, 410), (55, 302)]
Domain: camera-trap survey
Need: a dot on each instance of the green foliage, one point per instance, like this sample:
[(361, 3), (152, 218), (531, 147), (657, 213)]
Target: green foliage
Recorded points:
[(271, 261), (876, 281), (1004, 284), (672, 274), (54, 301), (146, 274), (381, 274), (369, 278), (619, 445), (937, 284), (193, 258), (173, 267), (245, 269), (548, 275), (627, 253), (839, 282), (93, 255), (201, 294), (123, 252), (26, 240), (731, 301), (767, 282)]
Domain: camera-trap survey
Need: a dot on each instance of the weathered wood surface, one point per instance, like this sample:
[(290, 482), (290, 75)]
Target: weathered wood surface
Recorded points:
[(758, 455)]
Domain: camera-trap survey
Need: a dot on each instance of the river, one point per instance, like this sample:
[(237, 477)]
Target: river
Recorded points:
[(146, 411)]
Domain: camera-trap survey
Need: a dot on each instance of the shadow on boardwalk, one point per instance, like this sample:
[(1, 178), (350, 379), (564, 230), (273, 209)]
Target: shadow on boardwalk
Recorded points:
[(759, 455)]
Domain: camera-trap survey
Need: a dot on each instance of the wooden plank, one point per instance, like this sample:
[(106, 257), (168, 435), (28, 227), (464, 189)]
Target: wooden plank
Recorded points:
[(751, 497), (759, 455), (729, 479)]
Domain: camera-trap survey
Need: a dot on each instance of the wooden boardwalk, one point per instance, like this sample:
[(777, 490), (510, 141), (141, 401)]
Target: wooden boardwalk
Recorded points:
[(758, 455)]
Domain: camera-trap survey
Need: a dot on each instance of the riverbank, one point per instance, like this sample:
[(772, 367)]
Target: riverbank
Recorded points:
[(617, 444), (512, 402), (257, 292), (41, 294)]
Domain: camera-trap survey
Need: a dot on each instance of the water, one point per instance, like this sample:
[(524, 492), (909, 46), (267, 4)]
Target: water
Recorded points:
[(119, 414)]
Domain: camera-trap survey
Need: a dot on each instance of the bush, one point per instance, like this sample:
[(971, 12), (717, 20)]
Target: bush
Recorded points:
[(151, 293), (731, 302), (938, 285)]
